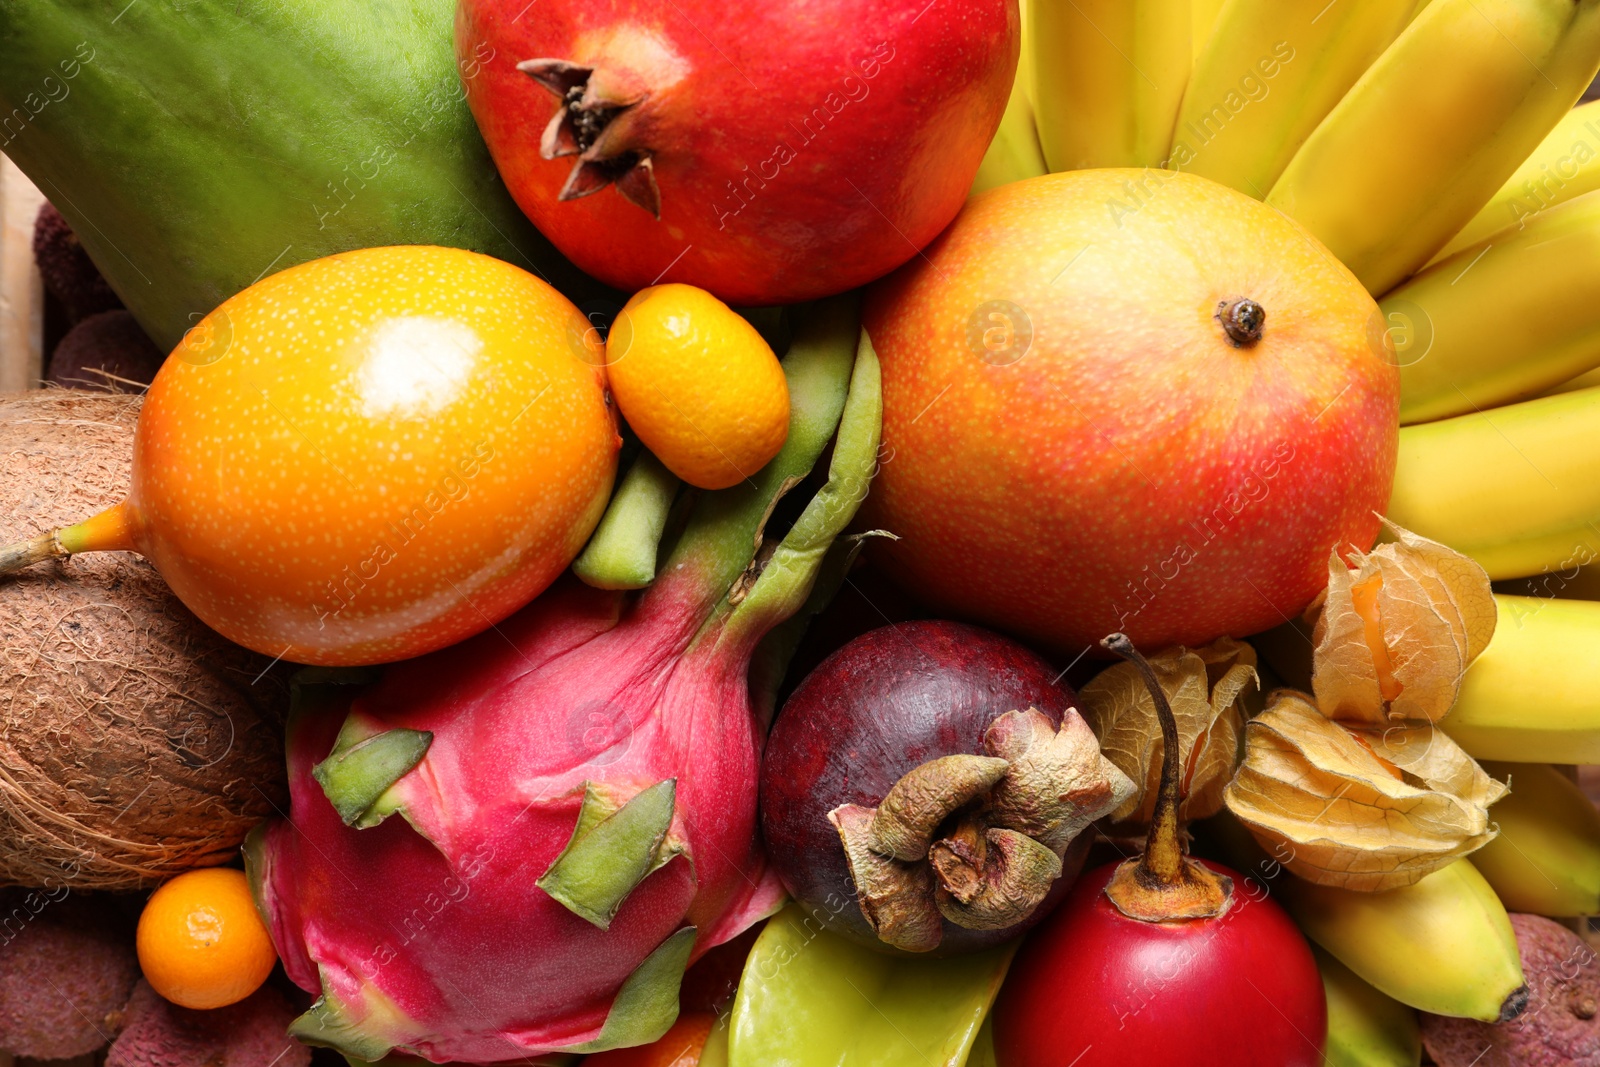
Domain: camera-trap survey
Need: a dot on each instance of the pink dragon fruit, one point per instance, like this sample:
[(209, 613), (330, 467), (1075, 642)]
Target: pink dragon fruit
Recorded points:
[(576, 787)]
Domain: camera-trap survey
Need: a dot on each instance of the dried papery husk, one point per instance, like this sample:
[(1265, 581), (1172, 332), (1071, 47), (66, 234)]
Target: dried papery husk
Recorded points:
[(1397, 630), (977, 839), (1356, 807), (1206, 688), (135, 743)]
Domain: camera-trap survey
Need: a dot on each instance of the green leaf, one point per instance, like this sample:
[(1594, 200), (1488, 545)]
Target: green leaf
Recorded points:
[(364, 765), (811, 999), (612, 850), (647, 1004)]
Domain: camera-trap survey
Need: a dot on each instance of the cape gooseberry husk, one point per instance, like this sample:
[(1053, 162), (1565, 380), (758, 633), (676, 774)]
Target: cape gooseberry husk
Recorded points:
[(1356, 807), (1206, 688), (1397, 629)]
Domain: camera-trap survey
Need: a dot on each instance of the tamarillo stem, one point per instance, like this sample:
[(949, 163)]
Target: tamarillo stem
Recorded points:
[(1163, 884)]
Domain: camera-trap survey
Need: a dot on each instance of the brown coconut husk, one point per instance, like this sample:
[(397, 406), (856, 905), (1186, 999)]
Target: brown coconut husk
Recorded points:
[(135, 742)]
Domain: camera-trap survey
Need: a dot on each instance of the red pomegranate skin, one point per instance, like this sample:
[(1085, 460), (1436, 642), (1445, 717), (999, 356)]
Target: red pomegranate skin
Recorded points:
[(799, 149), (889, 701), (1093, 988)]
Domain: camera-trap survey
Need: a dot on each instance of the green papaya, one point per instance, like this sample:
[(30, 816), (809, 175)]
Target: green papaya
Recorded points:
[(198, 145)]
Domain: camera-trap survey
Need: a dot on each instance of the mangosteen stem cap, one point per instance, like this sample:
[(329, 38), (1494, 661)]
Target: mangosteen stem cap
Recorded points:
[(977, 839), (1163, 884)]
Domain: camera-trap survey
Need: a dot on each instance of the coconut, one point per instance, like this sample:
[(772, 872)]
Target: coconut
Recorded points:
[(135, 743)]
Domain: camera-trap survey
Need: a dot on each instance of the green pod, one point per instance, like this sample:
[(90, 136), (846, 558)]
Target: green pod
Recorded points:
[(195, 147), (810, 999)]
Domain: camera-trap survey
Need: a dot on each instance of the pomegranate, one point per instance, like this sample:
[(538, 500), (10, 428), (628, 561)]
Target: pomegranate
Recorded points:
[(770, 153), (954, 730), (1128, 400), (1163, 959)]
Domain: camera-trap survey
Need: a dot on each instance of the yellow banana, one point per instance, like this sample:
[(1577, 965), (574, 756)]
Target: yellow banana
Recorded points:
[(1107, 79), (1418, 9), (1577, 582), (1366, 1028), (1502, 321), (982, 1054), (1435, 126), (1582, 381), (1202, 21), (1565, 165), (1014, 154), (1516, 488), (1442, 945), (1546, 857), (1272, 71), (1534, 694)]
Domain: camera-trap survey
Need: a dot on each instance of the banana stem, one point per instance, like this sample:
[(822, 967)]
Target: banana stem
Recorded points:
[(622, 552), (109, 531)]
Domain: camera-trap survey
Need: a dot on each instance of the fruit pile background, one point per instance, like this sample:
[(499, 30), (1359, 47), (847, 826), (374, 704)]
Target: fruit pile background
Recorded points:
[(1019, 533)]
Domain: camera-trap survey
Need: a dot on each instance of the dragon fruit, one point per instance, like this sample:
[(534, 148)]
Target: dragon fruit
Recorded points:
[(576, 786)]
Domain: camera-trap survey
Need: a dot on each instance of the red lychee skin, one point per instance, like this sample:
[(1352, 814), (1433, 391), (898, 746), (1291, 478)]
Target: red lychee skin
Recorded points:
[(250, 1033), (908, 106), (67, 965), (1125, 468), (1094, 988), (1560, 1026)]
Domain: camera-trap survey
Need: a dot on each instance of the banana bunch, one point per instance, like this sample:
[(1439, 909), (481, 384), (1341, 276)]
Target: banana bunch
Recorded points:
[(1399, 132), (1546, 857), (1517, 488), (1433, 146), (1565, 165), (1273, 72), (1435, 126), (1108, 76), (1442, 945), (1533, 696), (1502, 320)]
